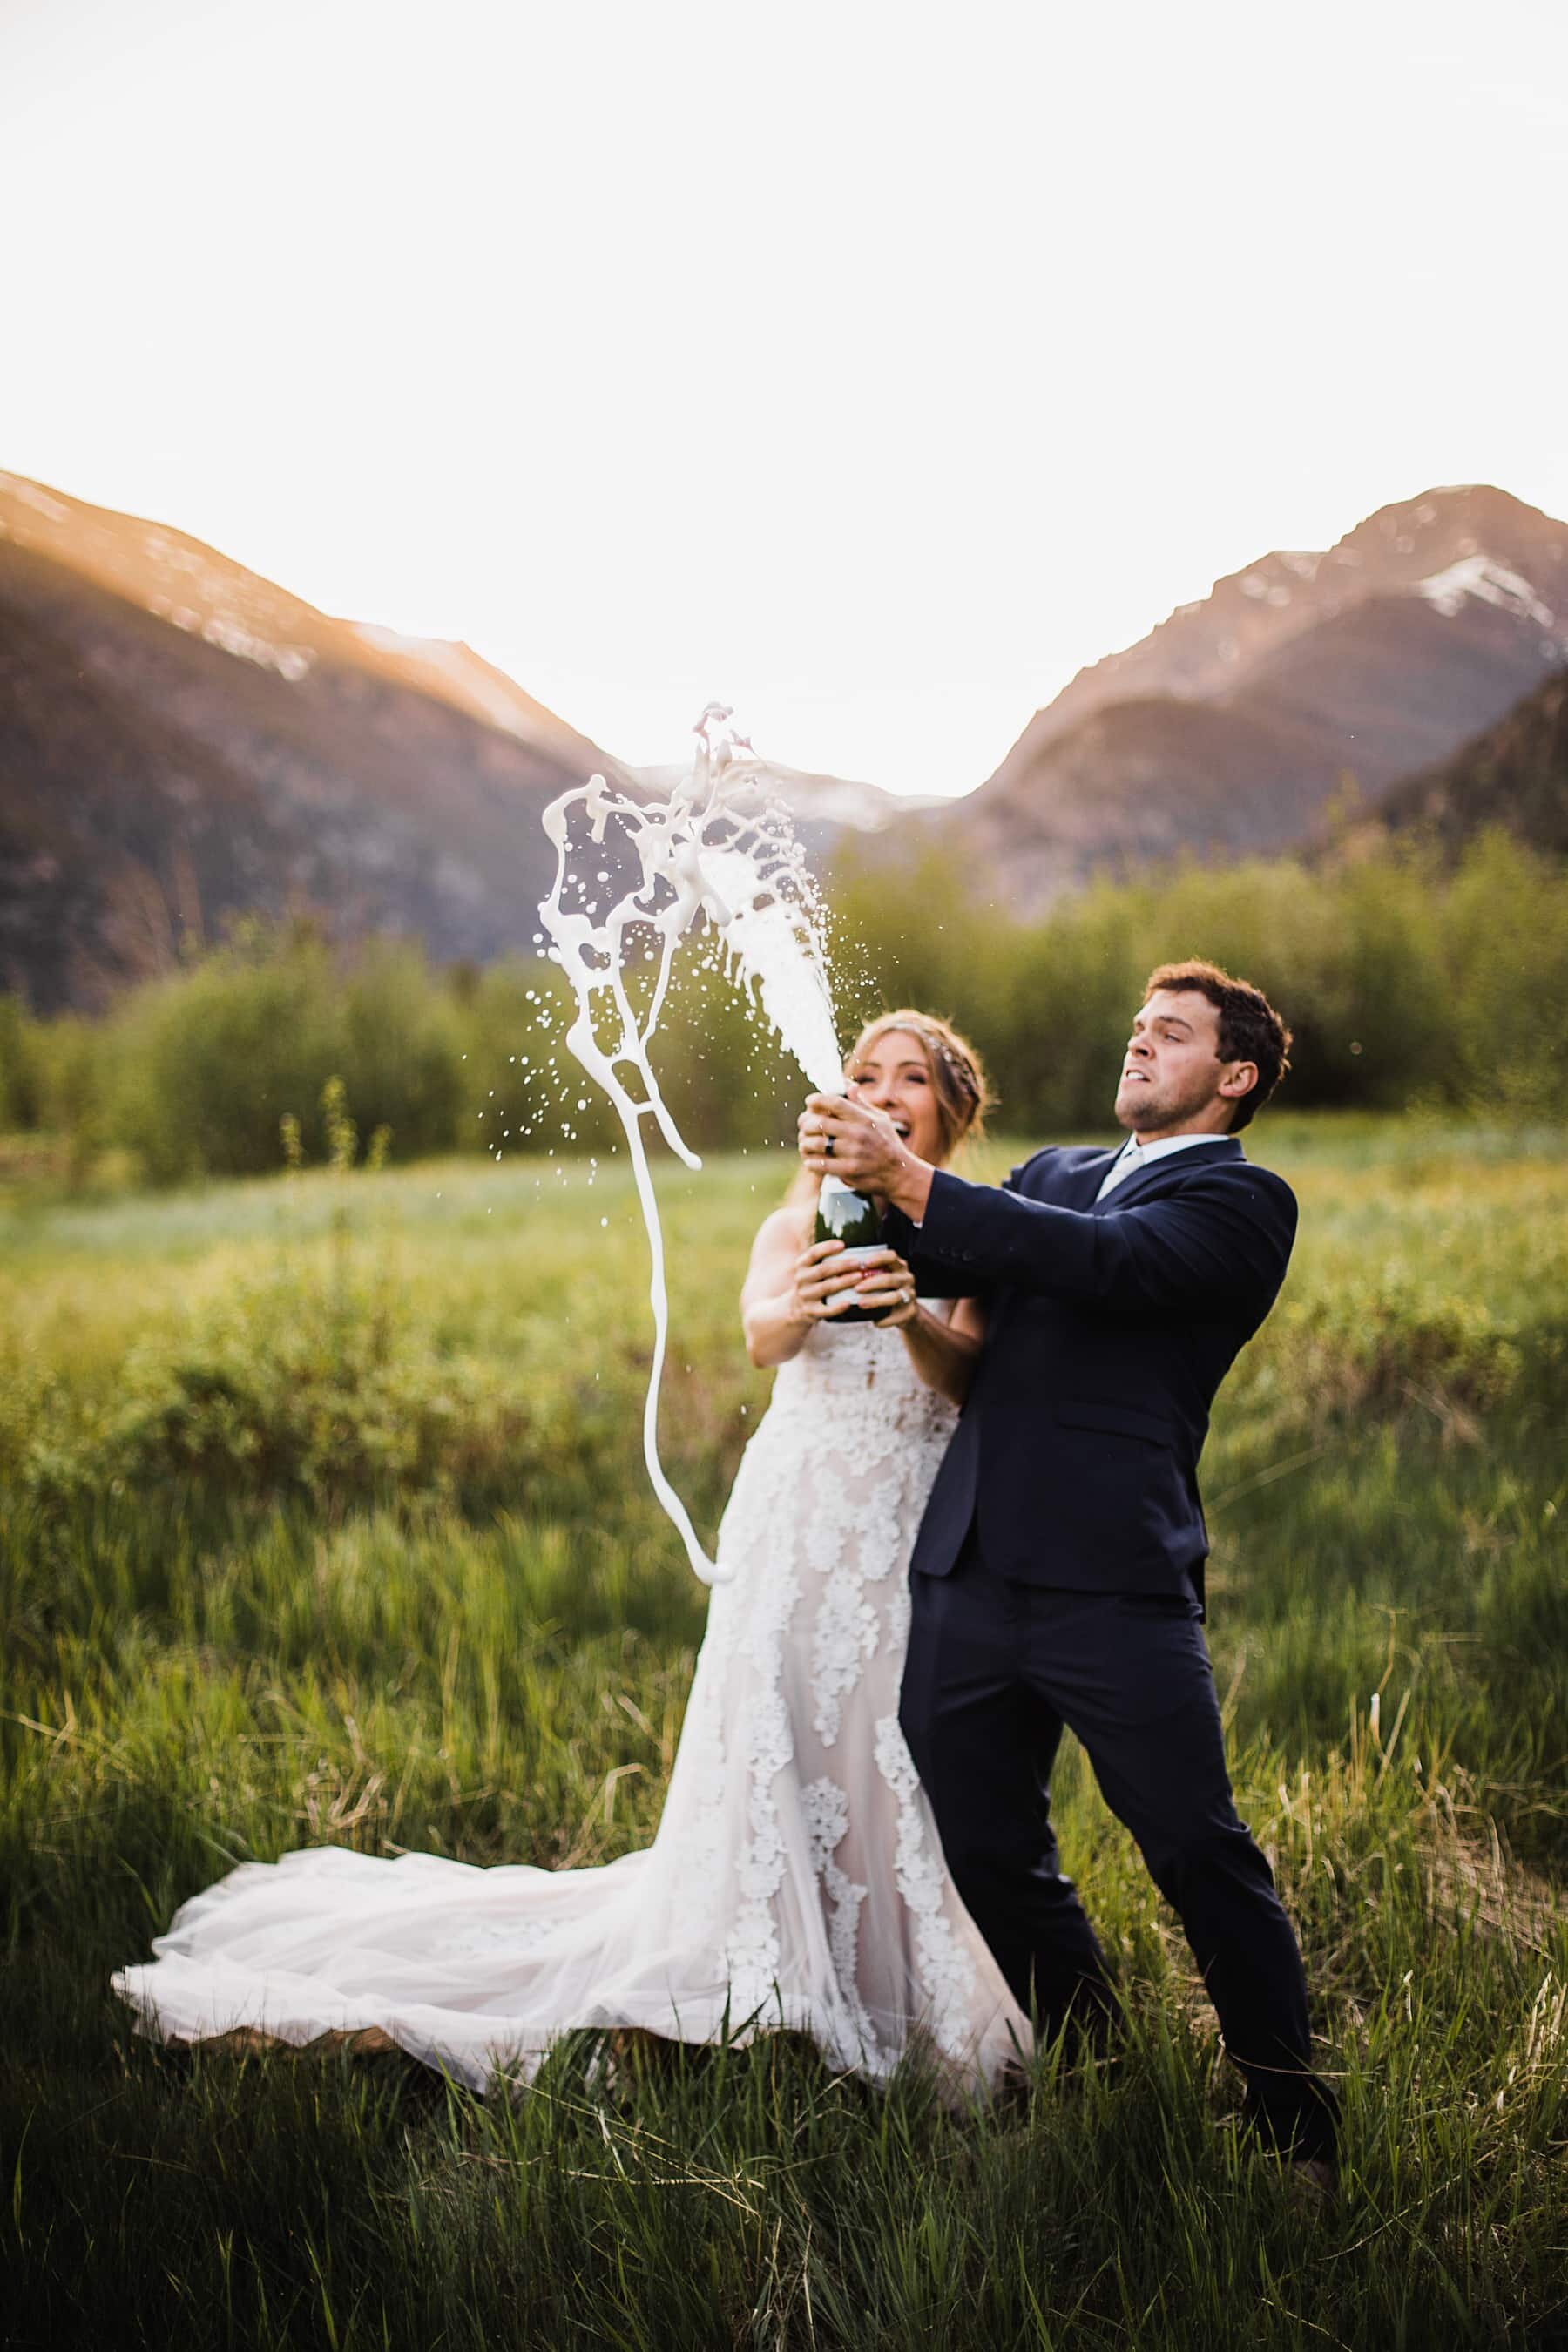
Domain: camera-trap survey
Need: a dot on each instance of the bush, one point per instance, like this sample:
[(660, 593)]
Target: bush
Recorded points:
[(520, 1086), (1506, 942), (205, 1065), (1405, 982), (18, 1072), (70, 1060)]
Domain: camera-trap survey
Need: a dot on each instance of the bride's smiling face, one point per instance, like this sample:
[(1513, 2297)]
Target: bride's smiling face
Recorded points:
[(892, 1073)]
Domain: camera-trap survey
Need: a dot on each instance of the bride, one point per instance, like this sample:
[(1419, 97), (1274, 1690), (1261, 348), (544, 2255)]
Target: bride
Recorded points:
[(796, 1881)]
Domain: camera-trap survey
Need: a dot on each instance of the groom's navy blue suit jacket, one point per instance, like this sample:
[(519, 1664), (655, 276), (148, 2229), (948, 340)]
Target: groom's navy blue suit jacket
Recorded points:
[(1110, 1324)]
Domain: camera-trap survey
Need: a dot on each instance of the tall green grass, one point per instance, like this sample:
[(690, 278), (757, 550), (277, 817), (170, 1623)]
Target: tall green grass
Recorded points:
[(322, 1517)]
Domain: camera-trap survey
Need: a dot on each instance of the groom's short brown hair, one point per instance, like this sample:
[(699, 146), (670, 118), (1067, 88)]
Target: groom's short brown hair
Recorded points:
[(1249, 1028)]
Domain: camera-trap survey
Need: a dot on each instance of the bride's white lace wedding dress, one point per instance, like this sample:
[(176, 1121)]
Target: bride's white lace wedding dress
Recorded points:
[(796, 1881)]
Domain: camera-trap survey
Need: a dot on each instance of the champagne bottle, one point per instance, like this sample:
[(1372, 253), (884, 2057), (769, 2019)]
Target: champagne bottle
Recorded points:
[(852, 1219)]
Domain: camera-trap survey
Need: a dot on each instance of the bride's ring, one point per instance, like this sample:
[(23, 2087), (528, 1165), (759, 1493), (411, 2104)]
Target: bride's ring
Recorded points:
[(827, 1147)]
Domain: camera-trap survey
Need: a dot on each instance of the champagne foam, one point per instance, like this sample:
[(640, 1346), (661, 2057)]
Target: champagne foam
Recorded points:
[(715, 847)]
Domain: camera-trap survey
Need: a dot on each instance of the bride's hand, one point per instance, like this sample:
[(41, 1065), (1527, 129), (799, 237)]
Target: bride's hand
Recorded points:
[(887, 1290), (825, 1280)]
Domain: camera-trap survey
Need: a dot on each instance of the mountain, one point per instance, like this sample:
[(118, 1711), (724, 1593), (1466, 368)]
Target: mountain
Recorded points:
[(1514, 775), (181, 740), (1230, 728), (823, 809)]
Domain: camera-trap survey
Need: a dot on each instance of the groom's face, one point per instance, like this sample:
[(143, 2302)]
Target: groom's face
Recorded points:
[(1172, 1070)]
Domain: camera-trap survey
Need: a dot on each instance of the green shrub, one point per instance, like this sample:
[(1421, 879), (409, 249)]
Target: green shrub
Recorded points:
[(205, 1065), (400, 1050), (520, 1086), (18, 1069), (1506, 943), (71, 1059), (1405, 982)]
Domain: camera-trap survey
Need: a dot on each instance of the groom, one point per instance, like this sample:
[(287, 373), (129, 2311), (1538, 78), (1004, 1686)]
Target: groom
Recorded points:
[(1059, 1573)]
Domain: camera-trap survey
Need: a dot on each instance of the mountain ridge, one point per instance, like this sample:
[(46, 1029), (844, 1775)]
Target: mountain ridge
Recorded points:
[(183, 741), (238, 752), (1513, 775), (1204, 644), (1379, 656)]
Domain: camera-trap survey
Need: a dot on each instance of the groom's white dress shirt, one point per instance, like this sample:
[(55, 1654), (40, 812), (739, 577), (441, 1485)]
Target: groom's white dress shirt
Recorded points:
[(1134, 1155)]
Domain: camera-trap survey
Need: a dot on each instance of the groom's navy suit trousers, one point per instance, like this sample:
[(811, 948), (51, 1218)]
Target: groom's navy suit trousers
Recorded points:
[(1058, 1577)]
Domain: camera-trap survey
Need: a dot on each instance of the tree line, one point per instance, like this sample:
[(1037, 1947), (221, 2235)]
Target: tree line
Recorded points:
[(1408, 981)]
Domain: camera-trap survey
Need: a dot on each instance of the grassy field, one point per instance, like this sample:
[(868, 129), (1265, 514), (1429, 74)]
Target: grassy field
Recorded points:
[(322, 1517)]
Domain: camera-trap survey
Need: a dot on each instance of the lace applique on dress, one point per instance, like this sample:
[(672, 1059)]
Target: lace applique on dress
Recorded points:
[(827, 1810), (845, 1635), (946, 1965)]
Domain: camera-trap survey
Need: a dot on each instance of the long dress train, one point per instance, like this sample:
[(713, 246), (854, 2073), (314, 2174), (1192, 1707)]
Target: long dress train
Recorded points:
[(796, 1881)]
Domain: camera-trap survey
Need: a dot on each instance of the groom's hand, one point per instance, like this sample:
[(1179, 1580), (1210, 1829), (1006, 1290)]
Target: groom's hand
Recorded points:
[(842, 1138)]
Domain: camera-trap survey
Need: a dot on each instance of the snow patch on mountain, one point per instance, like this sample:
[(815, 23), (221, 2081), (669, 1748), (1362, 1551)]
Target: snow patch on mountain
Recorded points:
[(1490, 583), (290, 661), (814, 799)]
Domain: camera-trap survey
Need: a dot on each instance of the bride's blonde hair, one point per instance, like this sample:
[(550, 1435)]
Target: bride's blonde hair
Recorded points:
[(957, 1073), (958, 1080)]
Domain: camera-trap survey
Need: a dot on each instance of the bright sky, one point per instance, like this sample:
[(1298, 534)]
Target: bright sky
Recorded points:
[(871, 366)]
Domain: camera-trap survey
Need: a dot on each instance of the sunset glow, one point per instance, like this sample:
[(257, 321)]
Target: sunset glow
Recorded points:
[(871, 370)]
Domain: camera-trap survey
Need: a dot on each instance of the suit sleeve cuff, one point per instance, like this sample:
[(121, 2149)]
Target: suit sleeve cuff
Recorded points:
[(940, 1229)]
